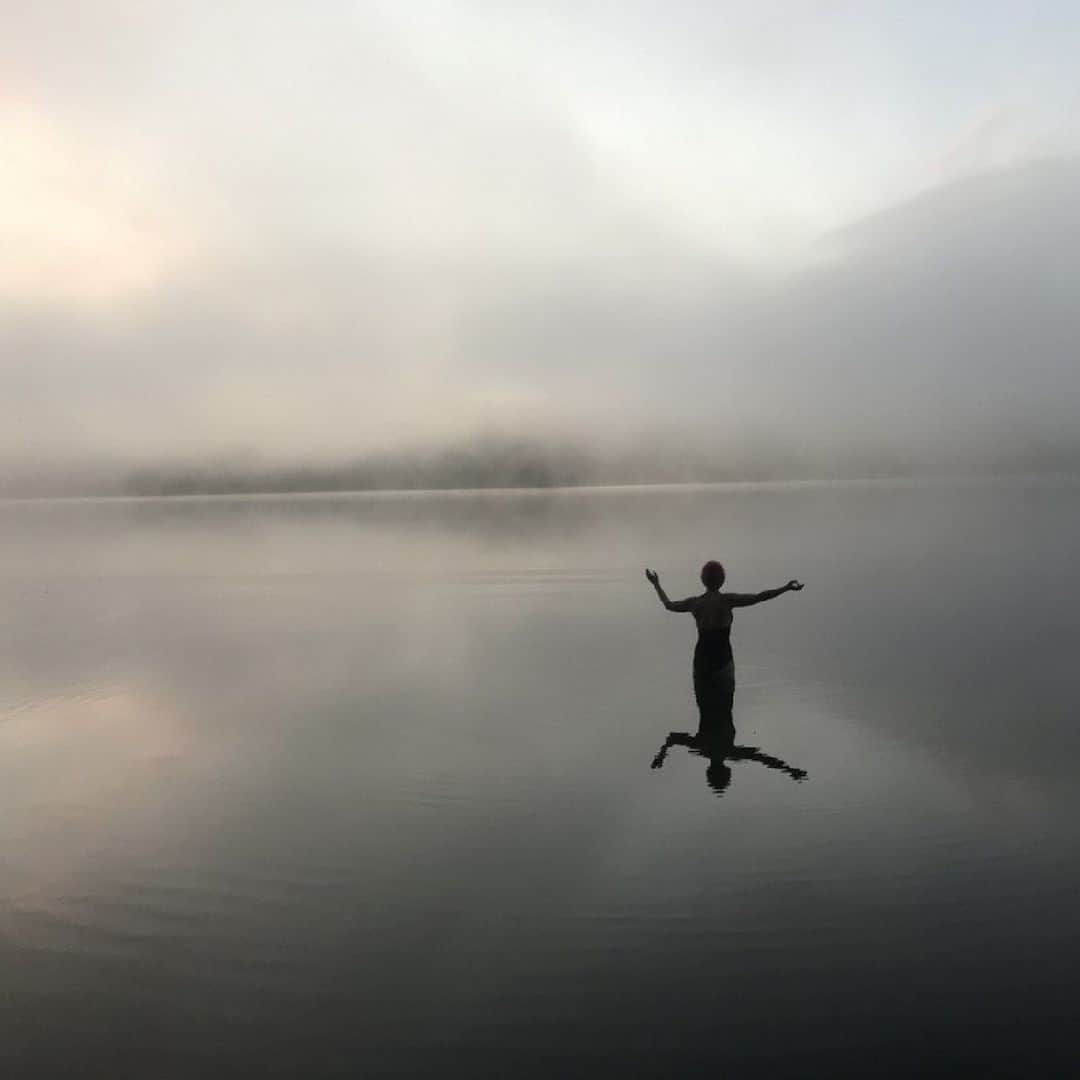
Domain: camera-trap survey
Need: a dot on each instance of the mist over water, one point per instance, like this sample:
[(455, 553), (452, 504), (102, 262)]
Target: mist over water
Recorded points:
[(780, 240), (360, 785)]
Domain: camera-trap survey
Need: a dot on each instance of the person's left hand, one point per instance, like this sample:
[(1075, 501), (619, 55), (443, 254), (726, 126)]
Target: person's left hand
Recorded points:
[(653, 577), (794, 586)]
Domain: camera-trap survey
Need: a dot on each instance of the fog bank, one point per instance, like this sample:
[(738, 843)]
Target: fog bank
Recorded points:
[(259, 242)]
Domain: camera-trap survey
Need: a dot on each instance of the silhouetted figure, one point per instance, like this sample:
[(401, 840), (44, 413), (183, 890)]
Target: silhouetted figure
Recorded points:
[(714, 674), (714, 663)]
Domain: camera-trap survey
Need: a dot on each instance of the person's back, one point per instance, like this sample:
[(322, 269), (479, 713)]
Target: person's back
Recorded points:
[(712, 611)]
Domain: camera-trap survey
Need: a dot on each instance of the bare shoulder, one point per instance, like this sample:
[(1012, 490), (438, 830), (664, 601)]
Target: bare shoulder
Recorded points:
[(689, 604), (734, 599)]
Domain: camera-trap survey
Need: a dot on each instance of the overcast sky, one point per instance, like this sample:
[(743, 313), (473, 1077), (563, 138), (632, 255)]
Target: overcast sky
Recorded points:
[(310, 230)]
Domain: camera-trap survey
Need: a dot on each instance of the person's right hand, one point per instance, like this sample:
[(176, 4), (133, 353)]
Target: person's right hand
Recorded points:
[(653, 577), (794, 586)]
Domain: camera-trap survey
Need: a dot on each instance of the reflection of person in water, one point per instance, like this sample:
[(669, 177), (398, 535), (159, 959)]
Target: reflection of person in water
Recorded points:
[(714, 673), (719, 749)]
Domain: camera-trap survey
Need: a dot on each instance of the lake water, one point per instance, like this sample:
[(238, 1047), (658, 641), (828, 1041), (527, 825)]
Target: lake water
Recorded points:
[(360, 786)]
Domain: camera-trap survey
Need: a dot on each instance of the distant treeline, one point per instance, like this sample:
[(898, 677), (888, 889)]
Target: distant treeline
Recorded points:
[(499, 465), (506, 463), (509, 466)]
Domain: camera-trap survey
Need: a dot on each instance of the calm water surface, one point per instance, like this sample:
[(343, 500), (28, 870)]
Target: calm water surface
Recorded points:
[(360, 786)]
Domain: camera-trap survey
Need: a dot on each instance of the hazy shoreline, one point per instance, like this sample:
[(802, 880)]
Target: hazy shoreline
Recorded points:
[(988, 478), (520, 464)]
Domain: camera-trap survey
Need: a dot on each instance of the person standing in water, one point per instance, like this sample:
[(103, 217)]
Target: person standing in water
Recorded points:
[(714, 663)]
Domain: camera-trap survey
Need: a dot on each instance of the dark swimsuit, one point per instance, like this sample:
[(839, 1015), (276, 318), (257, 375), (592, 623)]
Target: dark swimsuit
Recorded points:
[(714, 678)]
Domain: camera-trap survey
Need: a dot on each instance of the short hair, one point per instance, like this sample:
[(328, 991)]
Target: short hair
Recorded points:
[(712, 575)]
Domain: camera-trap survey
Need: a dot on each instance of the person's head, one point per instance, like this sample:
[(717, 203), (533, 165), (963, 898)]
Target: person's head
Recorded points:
[(712, 575)]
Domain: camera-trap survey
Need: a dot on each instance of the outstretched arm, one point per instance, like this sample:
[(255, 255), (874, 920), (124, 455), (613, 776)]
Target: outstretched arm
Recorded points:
[(752, 753), (676, 738), (671, 605), (748, 599)]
